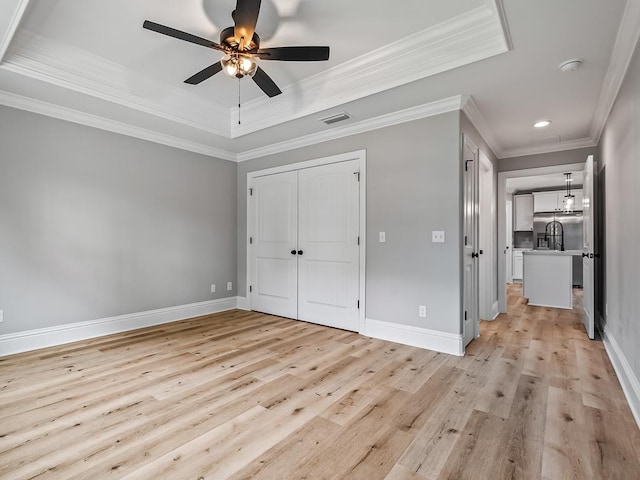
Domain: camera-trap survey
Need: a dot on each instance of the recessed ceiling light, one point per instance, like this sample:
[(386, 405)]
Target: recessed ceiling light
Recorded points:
[(542, 123)]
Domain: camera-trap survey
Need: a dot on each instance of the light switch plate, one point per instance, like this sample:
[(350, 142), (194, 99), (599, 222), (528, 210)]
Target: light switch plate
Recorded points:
[(437, 236), (382, 237)]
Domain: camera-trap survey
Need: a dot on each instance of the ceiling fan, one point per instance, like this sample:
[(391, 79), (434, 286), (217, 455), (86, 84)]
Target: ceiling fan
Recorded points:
[(241, 45)]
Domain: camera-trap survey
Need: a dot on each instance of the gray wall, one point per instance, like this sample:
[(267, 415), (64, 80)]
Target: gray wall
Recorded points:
[(546, 159), (94, 224), (413, 187), (620, 176)]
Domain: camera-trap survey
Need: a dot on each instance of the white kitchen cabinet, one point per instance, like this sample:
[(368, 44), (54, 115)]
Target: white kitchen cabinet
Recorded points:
[(545, 201), (518, 265), (554, 201), (523, 212)]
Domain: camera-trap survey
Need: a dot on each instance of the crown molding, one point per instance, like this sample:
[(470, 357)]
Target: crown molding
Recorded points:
[(402, 116), (467, 38), (550, 148), (12, 26), (87, 119), (470, 108), (78, 70), (623, 51)]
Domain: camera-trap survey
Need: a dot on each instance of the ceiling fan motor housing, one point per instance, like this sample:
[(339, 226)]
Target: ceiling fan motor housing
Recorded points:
[(228, 39)]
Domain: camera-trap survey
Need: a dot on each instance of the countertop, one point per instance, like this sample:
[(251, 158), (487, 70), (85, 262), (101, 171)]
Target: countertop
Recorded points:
[(569, 253)]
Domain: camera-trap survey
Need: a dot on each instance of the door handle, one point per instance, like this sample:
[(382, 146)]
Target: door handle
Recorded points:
[(293, 252), (591, 255), (474, 255), (300, 252), (585, 255)]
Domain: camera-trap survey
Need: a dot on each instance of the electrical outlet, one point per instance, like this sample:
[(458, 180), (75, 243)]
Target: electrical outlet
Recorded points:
[(213, 288), (422, 311), (382, 237), (437, 236), (1, 316), (229, 285)]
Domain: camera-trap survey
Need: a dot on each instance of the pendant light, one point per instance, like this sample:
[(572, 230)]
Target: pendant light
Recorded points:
[(569, 199)]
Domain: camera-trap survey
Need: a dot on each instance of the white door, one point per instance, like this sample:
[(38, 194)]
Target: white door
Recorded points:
[(274, 242), (487, 284), (508, 249), (328, 237), (588, 201), (304, 244), (470, 318)]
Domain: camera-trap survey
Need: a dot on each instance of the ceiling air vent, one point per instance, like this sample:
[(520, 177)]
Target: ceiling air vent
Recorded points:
[(338, 117)]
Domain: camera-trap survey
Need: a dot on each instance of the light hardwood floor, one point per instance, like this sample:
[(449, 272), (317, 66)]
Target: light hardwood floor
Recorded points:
[(245, 395)]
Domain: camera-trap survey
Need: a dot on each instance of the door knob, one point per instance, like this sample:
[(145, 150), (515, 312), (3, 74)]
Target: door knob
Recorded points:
[(300, 252), (585, 255), (474, 254), (293, 252), (591, 255)]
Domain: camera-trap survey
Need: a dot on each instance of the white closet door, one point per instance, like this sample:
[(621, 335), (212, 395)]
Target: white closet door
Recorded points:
[(275, 236), (328, 268)]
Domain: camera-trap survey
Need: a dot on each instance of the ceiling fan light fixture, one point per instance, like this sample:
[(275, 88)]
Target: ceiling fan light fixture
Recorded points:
[(238, 66)]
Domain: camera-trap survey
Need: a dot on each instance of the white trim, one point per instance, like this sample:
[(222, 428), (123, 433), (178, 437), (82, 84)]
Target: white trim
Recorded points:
[(470, 108), (495, 310), (502, 213), (361, 156), (73, 332), (472, 36), (90, 120), (80, 71), (430, 109), (549, 148), (623, 51), (243, 303), (444, 342), (628, 380), (12, 27)]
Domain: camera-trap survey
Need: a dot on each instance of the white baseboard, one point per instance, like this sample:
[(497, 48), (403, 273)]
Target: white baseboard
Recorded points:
[(415, 336), (73, 332), (495, 310), (628, 379), (243, 303)]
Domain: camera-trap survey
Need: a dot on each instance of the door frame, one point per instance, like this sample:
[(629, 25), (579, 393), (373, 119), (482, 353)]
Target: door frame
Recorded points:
[(502, 218), (474, 308), (361, 157), (487, 226)]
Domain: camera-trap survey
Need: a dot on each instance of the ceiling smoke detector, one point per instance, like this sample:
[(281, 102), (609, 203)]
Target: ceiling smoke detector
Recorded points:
[(570, 65), (338, 117)]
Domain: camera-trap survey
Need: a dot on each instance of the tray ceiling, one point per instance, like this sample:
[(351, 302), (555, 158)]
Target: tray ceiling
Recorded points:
[(93, 63)]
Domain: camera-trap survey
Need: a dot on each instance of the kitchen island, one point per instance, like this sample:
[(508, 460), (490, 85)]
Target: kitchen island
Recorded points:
[(548, 278)]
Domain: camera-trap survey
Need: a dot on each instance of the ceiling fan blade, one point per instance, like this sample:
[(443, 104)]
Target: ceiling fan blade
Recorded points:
[(294, 54), (203, 74), (265, 83), (179, 34), (245, 17)]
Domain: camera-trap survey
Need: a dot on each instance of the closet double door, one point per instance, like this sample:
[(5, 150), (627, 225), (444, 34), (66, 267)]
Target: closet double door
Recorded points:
[(304, 244)]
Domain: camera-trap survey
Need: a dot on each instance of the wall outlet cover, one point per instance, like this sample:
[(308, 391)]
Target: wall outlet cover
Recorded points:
[(382, 237), (422, 311), (229, 285), (213, 288), (437, 236)]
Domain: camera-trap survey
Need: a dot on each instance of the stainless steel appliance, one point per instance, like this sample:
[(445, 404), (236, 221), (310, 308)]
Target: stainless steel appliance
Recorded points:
[(560, 231)]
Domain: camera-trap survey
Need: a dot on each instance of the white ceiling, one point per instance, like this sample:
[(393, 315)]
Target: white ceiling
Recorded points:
[(91, 62)]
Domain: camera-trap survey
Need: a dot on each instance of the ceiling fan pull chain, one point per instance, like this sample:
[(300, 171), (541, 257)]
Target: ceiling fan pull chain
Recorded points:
[(238, 101)]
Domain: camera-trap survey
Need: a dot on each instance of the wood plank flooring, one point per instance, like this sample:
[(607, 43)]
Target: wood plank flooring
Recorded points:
[(245, 395)]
